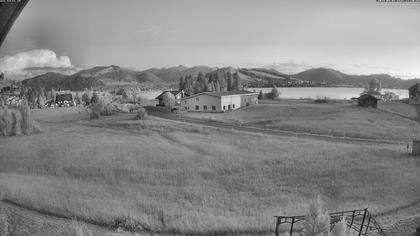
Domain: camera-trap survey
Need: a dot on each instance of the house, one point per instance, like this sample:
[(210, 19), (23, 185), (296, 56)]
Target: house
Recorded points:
[(218, 101), (4, 85), (178, 94), (368, 100), (414, 94)]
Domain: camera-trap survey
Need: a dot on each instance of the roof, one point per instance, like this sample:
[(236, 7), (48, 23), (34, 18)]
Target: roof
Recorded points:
[(4, 83), (224, 93), (415, 85), (174, 92), (366, 96)]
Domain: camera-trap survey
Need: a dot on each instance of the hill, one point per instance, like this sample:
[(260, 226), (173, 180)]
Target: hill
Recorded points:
[(96, 77), (173, 74), (337, 78), (111, 77)]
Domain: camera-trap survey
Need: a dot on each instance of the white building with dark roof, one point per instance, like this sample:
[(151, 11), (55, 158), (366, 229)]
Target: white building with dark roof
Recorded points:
[(218, 101)]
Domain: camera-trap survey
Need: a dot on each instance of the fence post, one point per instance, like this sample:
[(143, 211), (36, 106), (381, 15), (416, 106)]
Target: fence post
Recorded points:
[(363, 221), (291, 227), (276, 233), (352, 219), (367, 226)]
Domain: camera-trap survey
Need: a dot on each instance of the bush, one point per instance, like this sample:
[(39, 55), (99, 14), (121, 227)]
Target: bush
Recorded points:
[(275, 94), (317, 221), (142, 101), (142, 114), (17, 122), (86, 99), (340, 228), (108, 110), (95, 110), (261, 95), (321, 100), (95, 98)]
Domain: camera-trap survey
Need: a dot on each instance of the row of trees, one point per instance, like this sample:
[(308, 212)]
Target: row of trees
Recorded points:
[(213, 82), (274, 94)]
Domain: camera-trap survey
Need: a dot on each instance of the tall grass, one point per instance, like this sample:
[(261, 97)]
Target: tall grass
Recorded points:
[(174, 177), (334, 119)]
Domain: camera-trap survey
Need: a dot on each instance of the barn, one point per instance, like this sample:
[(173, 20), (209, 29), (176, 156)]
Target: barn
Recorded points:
[(367, 100), (218, 101), (178, 94), (414, 94)]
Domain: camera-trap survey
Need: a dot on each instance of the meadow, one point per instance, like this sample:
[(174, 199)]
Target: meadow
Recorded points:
[(391, 121), (168, 176)]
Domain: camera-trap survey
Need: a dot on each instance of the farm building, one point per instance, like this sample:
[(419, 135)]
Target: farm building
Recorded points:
[(178, 94), (414, 94), (219, 101), (367, 100)]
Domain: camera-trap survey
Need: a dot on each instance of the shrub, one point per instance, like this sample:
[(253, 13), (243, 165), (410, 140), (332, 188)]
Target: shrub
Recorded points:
[(275, 94), (95, 110), (168, 100), (340, 228), (321, 100), (142, 114), (17, 122), (108, 110), (317, 221), (261, 95), (86, 99), (142, 101), (95, 98)]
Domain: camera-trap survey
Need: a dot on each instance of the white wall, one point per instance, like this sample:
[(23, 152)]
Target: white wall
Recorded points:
[(201, 101), (233, 101)]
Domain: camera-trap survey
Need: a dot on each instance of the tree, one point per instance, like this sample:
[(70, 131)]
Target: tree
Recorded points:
[(261, 95), (31, 97), (142, 115), (374, 87), (181, 83), (217, 86), (124, 94), (209, 87), (236, 82), (168, 100), (77, 99), (229, 81), (317, 221), (275, 94), (86, 99), (95, 98)]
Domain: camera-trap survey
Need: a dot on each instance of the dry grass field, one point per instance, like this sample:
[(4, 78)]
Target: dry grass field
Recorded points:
[(168, 176), (337, 119)]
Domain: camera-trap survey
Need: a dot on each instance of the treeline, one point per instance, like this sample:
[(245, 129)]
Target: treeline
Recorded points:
[(215, 81)]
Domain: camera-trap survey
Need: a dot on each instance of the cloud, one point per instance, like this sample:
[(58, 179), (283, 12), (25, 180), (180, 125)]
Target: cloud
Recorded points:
[(16, 66)]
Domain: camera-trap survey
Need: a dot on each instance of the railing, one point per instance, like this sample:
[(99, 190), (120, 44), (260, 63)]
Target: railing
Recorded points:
[(361, 221)]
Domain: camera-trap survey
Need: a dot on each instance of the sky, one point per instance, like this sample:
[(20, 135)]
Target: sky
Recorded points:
[(355, 36)]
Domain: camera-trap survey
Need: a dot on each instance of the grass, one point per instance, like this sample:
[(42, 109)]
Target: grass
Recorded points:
[(177, 177), (337, 119)]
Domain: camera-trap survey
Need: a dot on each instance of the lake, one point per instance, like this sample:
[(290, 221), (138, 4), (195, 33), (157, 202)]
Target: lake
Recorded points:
[(320, 92), (305, 92)]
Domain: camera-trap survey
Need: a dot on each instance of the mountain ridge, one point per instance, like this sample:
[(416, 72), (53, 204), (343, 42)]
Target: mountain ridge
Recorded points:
[(107, 77)]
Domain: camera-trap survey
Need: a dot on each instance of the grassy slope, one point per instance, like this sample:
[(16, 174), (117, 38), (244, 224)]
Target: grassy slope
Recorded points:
[(171, 176), (338, 119)]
